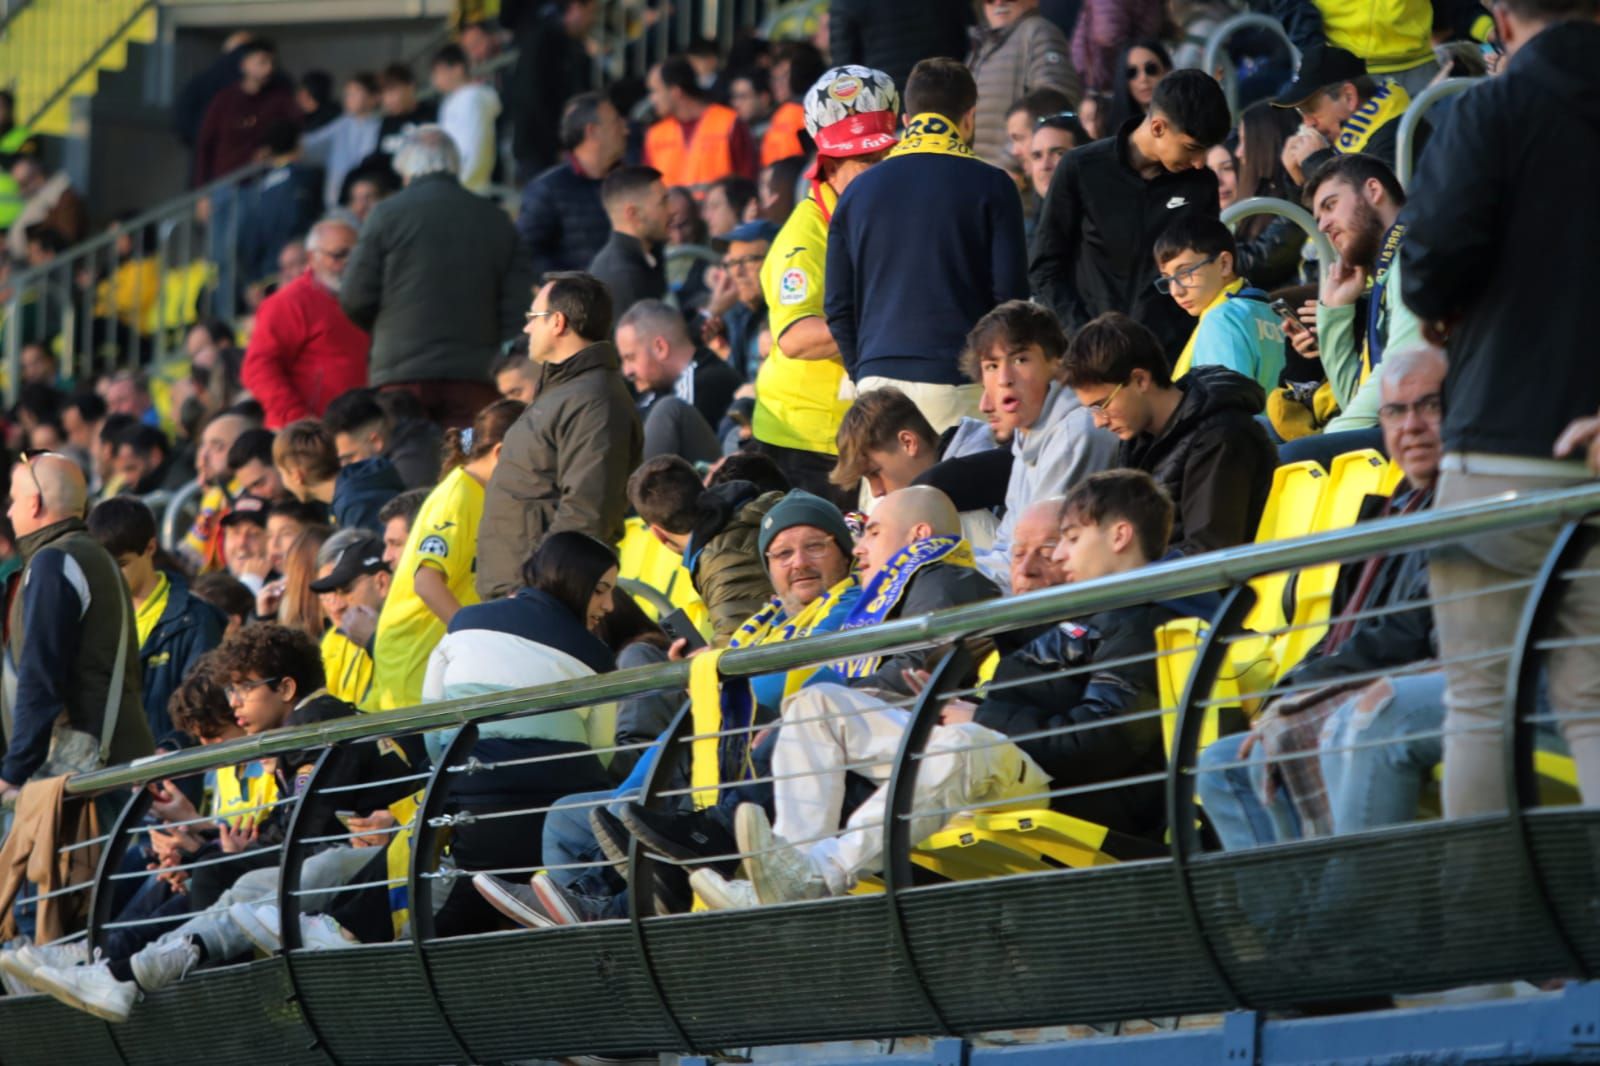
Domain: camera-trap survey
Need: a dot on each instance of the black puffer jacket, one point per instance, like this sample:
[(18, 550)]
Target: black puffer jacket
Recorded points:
[(1214, 459), (1271, 258)]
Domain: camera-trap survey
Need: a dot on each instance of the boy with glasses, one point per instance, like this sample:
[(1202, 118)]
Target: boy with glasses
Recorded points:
[(1236, 328)]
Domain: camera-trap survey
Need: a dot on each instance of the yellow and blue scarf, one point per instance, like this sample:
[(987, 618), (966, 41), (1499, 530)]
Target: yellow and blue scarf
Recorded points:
[(1386, 105), (931, 134), (883, 593)]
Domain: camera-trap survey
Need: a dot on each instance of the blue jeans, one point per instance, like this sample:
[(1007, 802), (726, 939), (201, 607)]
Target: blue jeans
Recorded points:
[(597, 893), (1232, 797), (1378, 778)]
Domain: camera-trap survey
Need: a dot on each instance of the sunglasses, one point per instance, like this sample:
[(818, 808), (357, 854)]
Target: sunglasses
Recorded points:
[(1058, 117), (1151, 69)]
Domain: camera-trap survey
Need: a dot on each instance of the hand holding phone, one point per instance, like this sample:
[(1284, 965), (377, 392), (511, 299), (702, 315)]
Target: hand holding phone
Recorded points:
[(677, 626)]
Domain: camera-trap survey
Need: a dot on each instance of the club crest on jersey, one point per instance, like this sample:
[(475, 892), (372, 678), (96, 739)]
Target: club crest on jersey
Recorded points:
[(434, 546)]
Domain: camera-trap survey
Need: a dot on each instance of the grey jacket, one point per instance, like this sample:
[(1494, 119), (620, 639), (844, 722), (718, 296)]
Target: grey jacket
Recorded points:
[(1031, 53), (440, 280), (563, 465)]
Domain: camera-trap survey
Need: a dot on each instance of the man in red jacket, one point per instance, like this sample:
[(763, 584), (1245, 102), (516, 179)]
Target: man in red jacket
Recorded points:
[(304, 351)]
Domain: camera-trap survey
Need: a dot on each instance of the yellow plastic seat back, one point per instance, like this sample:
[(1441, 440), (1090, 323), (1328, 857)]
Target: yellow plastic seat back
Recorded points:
[(1297, 490), (1249, 669), (643, 558)]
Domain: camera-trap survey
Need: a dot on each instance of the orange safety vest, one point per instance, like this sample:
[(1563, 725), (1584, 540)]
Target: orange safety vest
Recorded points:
[(707, 157), (783, 134)]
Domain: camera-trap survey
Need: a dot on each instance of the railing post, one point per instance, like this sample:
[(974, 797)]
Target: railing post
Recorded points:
[(1405, 140), (1219, 37), (292, 856), (1271, 205), (13, 345)]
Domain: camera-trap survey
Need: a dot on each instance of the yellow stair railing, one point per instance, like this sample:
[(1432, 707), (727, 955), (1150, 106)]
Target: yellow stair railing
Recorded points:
[(54, 50)]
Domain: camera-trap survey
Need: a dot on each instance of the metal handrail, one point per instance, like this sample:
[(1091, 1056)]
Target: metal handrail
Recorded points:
[(1271, 205), (1164, 581), (1405, 163), (1219, 37), (90, 62)]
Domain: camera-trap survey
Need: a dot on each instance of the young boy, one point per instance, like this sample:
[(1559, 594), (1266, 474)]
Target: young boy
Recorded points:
[(1237, 329), (308, 464)]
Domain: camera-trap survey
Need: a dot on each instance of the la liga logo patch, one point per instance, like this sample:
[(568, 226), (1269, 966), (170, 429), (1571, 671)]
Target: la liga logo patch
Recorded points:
[(794, 286)]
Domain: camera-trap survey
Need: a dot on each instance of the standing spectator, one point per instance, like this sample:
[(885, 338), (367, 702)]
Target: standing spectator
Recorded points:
[(1345, 110), (47, 200), (563, 221), (303, 350), (796, 66), (1234, 326), (1109, 200), (684, 390), (1199, 438), (566, 462), (467, 112), (1490, 228), (750, 94), (402, 114), (340, 146), (70, 632), (737, 308), (630, 262), (240, 115), (189, 112), (1399, 45), (694, 141), (895, 35), (143, 462), (727, 203), (775, 188), (309, 468), (1020, 51), (278, 209), (517, 377), (438, 279), (314, 94), (553, 65), (1104, 29), (903, 329), (174, 629)]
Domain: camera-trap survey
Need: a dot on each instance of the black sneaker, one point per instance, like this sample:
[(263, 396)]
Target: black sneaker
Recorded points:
[(613, 838), (681, 836)]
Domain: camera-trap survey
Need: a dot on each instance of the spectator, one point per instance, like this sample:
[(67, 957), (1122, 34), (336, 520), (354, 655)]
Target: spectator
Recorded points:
[(308, 466), (410, 440), (174, 629), (1093, 249), (303, 350), (230, 597), (684, 389), (1236, 329), (189, 111), (1014, 354), (775, 188), (750, 95), (630, 263), (362, 429), (81, 417), (438, 279), (280, 208), (1220, 161), (894, 35), (516, 377), (1053, 137), (1021, 119), (1019, 52), (202, 545), (314, 94), (71, 635), (48, 200), (250, 462), (351, 586), (566, 462), (340, 146), (286, 520), (403, 113), (1489, 222), (144, 462), (796, 66), (397, 517), (1347, 109), (906, 331), (245, 544), (129, 295), (1103, 30), (467, 113), (694, 141), (1400, 46), (1144, 63), (737, 308), (363, 191), (553, 65), (728, 204), (433, 578), (563, 221), (1269, 246), (38, 365), (239, 116), (1199, 438), (715, 531)]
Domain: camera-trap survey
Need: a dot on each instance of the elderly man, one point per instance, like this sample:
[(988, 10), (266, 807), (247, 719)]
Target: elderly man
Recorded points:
[(675, 379), (304, 350), (439, 279)]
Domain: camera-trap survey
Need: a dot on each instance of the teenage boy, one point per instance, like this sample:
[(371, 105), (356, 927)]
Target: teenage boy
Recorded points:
[(1110, 199), (1235, 328), (308, 464)]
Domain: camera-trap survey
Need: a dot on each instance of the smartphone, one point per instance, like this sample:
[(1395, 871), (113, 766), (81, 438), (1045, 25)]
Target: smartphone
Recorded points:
[(1291, 321), (344, 818), (677, 626)]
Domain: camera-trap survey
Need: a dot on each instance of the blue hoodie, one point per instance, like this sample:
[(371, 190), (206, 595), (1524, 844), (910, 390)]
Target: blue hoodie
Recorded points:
[(1242, 333), (361, 490)]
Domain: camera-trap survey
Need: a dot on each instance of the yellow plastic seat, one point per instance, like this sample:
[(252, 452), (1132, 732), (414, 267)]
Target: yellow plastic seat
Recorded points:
[(1249, 669), (643, 558), (1297, 490)]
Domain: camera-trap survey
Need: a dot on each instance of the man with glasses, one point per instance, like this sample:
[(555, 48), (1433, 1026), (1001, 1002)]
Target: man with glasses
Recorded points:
[(1344, 110), (737, 306), (1236, 328), (304, 351)]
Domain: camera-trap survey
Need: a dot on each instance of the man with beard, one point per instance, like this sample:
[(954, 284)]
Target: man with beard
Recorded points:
[(202, 545), (304, 351), (1356, 200)]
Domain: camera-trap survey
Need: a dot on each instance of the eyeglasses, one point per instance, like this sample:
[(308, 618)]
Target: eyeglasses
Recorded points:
[(1430, 406), (531, 315), (1184, 278), (240, 689), (742, 262), (813, 552), (1103, 404), (1151, 69), (28, 456)]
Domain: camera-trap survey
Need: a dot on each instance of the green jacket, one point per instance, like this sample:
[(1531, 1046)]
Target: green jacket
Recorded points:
[(1339, 337)]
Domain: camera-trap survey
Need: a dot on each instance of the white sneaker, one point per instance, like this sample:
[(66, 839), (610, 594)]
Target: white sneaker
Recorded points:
[(319, 932), (260, 924), (721, 894), (88, 988), (17, 966), (779, 871), (164, 962)]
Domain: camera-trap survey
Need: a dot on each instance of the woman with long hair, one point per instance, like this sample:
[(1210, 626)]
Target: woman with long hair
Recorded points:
[(1144, 63), (299, 607), (1269, 245)]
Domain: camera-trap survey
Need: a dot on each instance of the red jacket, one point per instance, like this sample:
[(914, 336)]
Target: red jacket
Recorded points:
[(303, 352)]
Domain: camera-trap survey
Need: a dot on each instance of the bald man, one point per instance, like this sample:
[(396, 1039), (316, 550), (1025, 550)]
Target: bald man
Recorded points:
[(1033, 544), (71, 635)]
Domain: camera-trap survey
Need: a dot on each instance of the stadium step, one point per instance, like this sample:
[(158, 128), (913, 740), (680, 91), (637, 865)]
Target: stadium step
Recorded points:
[(54, 50)]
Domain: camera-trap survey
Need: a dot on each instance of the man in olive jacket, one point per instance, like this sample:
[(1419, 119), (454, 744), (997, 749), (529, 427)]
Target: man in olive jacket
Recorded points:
[(565, 464), (64, 627)]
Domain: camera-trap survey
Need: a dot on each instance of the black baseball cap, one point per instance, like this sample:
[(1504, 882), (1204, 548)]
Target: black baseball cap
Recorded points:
[(362, 555), (1320, 68), (247, 509)]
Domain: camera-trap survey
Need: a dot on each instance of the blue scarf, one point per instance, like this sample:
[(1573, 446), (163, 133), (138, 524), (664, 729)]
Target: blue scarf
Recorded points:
[(883, 593), (1377, 311)]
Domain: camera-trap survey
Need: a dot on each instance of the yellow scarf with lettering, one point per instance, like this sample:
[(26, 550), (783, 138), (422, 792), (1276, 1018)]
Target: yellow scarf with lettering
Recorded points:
[(1386, 105), (1186, 357), (932, 134)]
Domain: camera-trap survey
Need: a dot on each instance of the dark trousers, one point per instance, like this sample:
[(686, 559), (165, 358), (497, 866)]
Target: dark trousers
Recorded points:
[(809, 471), (451, 404)]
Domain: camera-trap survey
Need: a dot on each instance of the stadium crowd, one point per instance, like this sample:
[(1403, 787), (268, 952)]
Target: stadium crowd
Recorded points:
[(967, 325)]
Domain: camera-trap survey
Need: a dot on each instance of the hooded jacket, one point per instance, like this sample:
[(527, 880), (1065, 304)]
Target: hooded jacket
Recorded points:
[(1497, 218), (1008, 63), (468, 115), (723, 558), (361, 489), (563, 465), (1213, 458), (187, 629), (1093, 250)]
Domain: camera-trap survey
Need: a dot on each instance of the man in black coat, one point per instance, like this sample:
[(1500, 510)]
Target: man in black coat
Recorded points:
[(553, 65), (563, 221), (895, 35), (630, 263)]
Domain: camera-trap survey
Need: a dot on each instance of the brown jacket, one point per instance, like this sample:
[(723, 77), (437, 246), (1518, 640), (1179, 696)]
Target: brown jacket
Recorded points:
[(724, 557), (1031, 53), (47, 820), (564, 465)]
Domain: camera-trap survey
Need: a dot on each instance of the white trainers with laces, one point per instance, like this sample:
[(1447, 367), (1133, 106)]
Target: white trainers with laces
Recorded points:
[(721, 894), (88, 988), (164, 962), (320, 932), (259, 922), (19, 964), (778, 870)]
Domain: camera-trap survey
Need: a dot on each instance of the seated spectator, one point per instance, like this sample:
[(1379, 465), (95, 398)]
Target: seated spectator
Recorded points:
[(563, 221), (1236, 328), (309, 468), (674, 378), (174, 628), (286, 520), (244, 543), (48, 200), (467, 113), (716, 532), (144, 462), (364, 429), (567, 461), (351, 585), (737, 308), (230, 596), (1113, 522), (1014, 353), (1199, 437), (694, 141), (403, 113), (250, 464), (397, 517), (201, 546), (363, 191), (516, 377), (304, 351), (1376, 761), (1345, 111), (278, 209), (289, 600), (433, 578), (340, 146), (1017, 52), (630, 263)]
